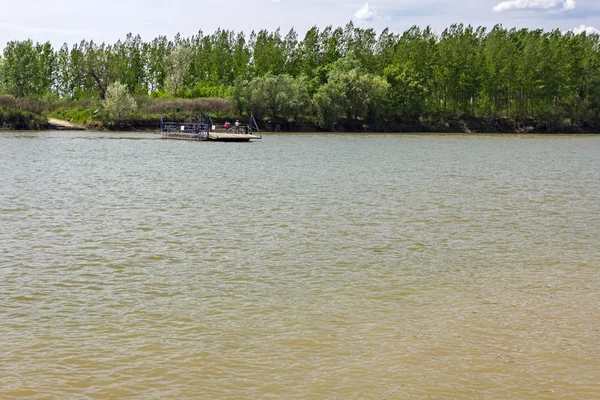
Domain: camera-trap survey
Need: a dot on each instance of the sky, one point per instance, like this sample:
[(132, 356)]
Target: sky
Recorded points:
[(70, 21)]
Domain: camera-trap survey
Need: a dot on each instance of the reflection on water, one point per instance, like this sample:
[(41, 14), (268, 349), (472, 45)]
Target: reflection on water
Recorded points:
[(303, 266)]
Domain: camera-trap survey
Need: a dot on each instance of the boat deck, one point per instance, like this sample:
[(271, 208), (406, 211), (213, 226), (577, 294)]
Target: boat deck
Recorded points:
[(204, 136), (232, 137)]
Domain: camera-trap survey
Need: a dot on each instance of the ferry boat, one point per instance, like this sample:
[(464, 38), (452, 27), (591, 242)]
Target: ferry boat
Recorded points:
[(204, 130)]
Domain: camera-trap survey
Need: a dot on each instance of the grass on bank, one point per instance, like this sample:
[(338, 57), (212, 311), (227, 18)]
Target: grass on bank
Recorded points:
[(33, 114), (30, 113)]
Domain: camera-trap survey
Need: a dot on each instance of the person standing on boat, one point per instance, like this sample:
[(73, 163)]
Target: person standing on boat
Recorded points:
[(208, 123), (237, 126)]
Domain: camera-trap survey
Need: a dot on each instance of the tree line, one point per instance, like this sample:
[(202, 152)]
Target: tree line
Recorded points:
[(349, 74)]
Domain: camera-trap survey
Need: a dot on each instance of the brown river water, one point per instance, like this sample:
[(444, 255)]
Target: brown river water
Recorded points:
[(299, 267)]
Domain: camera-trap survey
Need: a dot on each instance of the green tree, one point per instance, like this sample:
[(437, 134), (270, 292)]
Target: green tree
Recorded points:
[(157, 55), (1, 75), (497, 72), (459, 68), (96, 67), (332, 45), (328, 105), (178, 64), (64, 86), (309, 53), (363, 92), (241, 57), (278, 97), (28, 68), (47, 69), (241, 95), (349, 72), (127, 61), (268, 53), (118, 103), (411, 75)]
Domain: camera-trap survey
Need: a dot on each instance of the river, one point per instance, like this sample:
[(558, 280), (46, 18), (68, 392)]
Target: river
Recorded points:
[(301, 266)]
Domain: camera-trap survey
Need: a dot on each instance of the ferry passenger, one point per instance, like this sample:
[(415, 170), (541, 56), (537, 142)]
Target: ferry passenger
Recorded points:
[(226, 125)]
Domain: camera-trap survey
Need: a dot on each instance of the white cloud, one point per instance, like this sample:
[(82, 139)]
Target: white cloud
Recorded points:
[(588, 30), (365, 14), (548, 5)]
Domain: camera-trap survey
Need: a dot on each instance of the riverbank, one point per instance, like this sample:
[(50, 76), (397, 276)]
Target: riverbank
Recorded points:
[(28, 121), (64, 125), (33, 114)]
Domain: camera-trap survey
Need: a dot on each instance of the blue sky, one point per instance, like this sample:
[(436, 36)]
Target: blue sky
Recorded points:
[(60, 21)]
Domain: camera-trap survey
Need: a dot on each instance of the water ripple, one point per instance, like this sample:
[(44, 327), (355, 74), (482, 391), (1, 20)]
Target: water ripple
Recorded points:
[(305, 266)]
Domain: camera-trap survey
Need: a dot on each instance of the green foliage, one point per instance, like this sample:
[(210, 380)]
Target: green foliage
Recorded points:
[(349, 74), (76, 114), (328, 105), (118, 104), (241, 95), (269, 53), (435, 123), (359, 94), (278, 97), (177, 70), (19, 119), (28, 69), (188, 107)]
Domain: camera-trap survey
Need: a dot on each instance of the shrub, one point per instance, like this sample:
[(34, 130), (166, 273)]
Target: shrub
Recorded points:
[(18, 119), (118, 104)]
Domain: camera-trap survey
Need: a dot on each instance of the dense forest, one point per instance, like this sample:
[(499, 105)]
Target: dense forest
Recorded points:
[(333, 78)]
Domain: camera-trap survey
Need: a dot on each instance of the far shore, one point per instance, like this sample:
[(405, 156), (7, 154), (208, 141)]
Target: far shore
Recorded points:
[(459, 126), (292, 133), (446, 126)]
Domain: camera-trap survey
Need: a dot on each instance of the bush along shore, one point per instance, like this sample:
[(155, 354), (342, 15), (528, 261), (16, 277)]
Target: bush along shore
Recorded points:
[(112, 113), (464, 79), (34, 114)]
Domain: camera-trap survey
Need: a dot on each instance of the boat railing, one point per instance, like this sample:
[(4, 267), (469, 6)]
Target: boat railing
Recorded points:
[(183, 127)]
